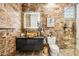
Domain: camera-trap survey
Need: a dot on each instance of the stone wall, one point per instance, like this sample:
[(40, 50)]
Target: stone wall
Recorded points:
[(10, 18), (9, 27), (65, 38)]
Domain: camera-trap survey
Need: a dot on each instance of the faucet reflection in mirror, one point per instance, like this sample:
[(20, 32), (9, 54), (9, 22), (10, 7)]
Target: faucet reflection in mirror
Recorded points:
[(40, 28)]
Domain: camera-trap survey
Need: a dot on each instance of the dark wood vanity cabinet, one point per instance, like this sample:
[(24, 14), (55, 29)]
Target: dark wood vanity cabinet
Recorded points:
[(29, 44)]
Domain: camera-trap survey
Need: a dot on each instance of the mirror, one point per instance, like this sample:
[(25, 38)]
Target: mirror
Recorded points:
[(31, 20)]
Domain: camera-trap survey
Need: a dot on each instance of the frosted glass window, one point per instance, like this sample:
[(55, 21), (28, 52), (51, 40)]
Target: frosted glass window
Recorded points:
[(69, 12)]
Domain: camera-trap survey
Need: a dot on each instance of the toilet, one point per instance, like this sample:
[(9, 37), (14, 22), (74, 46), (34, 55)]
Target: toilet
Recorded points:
[(54, 49)]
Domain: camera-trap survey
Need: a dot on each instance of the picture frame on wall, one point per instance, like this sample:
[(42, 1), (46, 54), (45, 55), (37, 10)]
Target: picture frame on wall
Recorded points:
[(50, 22)]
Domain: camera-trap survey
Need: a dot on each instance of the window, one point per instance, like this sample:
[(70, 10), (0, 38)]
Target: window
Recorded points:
[(69, 12)]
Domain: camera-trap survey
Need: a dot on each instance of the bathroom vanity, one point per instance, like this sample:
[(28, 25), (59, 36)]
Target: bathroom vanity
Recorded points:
[(29, 44)]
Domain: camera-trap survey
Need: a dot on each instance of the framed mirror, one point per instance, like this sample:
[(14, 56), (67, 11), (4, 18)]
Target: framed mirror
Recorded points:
[(31, 19)]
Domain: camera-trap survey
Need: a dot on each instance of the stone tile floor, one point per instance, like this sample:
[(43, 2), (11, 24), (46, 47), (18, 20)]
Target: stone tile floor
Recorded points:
[(29, 53), (63, 52), (66, 52)]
